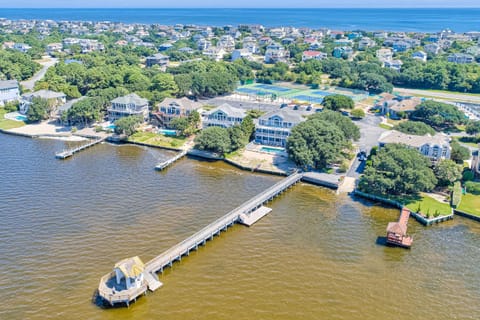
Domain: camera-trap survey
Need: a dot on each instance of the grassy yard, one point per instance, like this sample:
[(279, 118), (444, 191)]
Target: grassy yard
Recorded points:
[(159, 140), (6, 124), (385, 126), (428, 205), (470, 204), (467, 141)]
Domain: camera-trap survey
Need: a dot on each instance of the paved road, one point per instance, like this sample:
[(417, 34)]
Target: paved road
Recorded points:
[(266, 107), (30, 83), (369, 134), (441, 95)]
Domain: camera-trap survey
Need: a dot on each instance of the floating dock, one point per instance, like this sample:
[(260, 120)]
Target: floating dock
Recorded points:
[(163, 165), (248, 213), (70, 152)]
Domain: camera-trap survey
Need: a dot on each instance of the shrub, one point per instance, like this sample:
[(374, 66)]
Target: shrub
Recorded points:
[(98, 128), (74, 129), (344, 167), (468, 175), (473, 187)]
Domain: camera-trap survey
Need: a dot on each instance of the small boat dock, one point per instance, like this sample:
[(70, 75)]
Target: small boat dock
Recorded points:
[(163, 165), (397, 231), (70, 152)]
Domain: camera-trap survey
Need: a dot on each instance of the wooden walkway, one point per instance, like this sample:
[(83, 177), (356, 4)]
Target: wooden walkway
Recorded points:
[(169, 162), (70, 152), (183, 248), (397, 231)]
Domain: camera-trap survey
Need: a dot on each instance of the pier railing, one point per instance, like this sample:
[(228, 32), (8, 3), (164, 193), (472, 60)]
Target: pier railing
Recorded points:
[(215, 227), (118, 296)]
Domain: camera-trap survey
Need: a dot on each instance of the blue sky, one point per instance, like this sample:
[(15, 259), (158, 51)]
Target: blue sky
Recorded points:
[(237, 4)]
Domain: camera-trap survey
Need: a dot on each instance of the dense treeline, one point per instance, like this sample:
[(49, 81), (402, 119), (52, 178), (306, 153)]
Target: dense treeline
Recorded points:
[(370, 75), (15, 65)]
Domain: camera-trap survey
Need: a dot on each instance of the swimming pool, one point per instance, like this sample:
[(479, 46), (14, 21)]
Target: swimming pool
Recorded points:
[(21, 118), (167, 132), (111, 127), (273, 150)]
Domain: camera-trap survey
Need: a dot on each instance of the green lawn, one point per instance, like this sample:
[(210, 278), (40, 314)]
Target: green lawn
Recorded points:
[(467, 141), (428, 205), (159, 140), (385, 126), (6, 124), (470, 204)]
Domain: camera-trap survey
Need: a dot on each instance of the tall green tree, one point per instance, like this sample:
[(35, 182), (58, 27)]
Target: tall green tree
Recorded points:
[(316, 143), (127, 125), (447, 172), (397, 170), (415, 127), (38, 110), (337, 102), (214, 139)]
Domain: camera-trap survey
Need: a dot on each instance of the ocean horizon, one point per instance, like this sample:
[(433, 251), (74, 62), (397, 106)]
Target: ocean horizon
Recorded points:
[(391, 19)]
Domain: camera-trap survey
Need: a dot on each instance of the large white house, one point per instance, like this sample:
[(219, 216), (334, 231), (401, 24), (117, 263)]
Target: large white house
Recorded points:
[(9, 91), (275, 53), (274, 128), (129, 105), (224, 116), (434, 147)]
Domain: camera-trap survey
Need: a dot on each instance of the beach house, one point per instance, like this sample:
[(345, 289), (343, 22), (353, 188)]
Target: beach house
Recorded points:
[(157, 60), (171, 108), (129, 105), (54, 99), (9, 91), (274, 128), (224, 116), (276, 53), (434, 147)]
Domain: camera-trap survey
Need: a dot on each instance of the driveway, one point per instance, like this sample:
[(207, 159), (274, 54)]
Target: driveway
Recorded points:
[(47, 63)]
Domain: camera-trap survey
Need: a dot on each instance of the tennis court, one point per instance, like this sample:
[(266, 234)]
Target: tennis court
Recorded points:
[(272, 88), (306, 98)]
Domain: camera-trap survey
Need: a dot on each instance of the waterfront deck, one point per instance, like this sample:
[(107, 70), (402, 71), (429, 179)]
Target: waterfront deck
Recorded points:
[(163, 165), (397, 231), (70, 152)]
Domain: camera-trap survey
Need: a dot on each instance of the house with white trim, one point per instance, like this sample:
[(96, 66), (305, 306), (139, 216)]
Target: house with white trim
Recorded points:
[(224, 116)]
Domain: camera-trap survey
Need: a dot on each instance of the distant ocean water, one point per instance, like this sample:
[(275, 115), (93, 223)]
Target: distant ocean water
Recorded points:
[(423, 20)]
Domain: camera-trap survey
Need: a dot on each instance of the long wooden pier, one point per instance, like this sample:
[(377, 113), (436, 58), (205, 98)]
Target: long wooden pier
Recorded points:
[(167, 163), (70, 152), (183, 248)]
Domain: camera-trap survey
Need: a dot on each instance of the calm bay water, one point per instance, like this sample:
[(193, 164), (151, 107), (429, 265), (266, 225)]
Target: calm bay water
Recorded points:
[(424, 20), (63, 224)]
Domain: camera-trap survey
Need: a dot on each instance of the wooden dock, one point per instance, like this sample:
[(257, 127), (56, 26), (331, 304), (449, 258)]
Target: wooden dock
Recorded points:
[(248, 213), (70, 152), (163, 165), (175, 253), (397, 231)]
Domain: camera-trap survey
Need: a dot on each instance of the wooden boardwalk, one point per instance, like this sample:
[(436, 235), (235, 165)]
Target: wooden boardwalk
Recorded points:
[(163, 165), (183, 248), (70, 152)]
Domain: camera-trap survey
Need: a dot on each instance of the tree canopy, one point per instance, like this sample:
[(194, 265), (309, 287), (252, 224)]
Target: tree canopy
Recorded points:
[(337, 101), (459, 153), (473, 127), (438, 114), (415, 128), (398, 170), (215, 139), (447, 172), (347, 126), (316, 143), (127, 125)]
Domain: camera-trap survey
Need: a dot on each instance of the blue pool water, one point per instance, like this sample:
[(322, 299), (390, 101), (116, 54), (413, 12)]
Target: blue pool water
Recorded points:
[(273, 150), (167, 132), (21, 118), (111, 127)]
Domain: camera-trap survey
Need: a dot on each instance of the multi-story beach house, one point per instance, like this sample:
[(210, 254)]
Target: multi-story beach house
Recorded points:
[(9, 91), (420, 55), (224, 116), (460, 58), (241, 53), (342, 52), (171, 108), (274, 128), (275, 53), (384, 54), (435, 147), (316, 55), (157, 60), (365, 43), (129, 105), (54, 99)]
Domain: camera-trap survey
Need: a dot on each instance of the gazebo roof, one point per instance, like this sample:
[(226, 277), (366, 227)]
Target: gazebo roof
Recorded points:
[(131, 267)]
